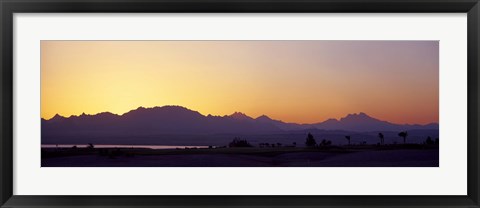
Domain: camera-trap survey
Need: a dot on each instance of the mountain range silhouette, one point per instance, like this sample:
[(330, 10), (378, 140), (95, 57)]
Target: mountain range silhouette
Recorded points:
[(180, 120)]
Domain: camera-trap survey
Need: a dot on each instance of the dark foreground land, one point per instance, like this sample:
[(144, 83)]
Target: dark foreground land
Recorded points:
[(366, 156)]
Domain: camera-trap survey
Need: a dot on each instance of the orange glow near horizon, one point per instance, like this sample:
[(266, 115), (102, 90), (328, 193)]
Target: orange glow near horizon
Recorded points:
[(292, 81)]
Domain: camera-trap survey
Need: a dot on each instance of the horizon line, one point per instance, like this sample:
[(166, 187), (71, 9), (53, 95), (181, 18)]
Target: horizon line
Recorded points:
[(337, 119)]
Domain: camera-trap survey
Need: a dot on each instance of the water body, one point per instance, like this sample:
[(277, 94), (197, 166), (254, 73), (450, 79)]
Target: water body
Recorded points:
[(120, 146)]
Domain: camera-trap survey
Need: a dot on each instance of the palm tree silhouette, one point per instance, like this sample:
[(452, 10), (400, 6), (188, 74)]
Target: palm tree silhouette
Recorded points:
[(348, 138), (404, 135), (380, 135), (310, 142)]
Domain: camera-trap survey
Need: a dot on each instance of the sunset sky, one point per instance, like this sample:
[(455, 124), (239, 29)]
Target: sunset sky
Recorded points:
[(293, 81)]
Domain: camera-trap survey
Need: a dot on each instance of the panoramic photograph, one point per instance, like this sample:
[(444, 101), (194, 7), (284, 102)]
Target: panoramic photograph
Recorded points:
[(248, 103)]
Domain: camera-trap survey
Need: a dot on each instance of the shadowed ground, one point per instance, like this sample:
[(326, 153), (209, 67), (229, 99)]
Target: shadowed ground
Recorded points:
[(249, 158)]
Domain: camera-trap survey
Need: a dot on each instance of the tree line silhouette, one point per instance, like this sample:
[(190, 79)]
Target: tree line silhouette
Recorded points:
[(311, 142), (237, 142)]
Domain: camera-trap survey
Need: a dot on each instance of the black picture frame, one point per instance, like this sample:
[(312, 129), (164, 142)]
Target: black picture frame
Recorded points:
[(9, 7)]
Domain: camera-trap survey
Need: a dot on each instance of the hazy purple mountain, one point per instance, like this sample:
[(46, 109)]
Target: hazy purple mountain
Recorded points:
[(176, 120), (240, 116), (361, 122), (282, 125)]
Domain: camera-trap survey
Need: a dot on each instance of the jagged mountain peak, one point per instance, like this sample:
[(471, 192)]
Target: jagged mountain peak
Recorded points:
[(160, 109), (240, 116), (263, 118), (56, 117), (358, 117)]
